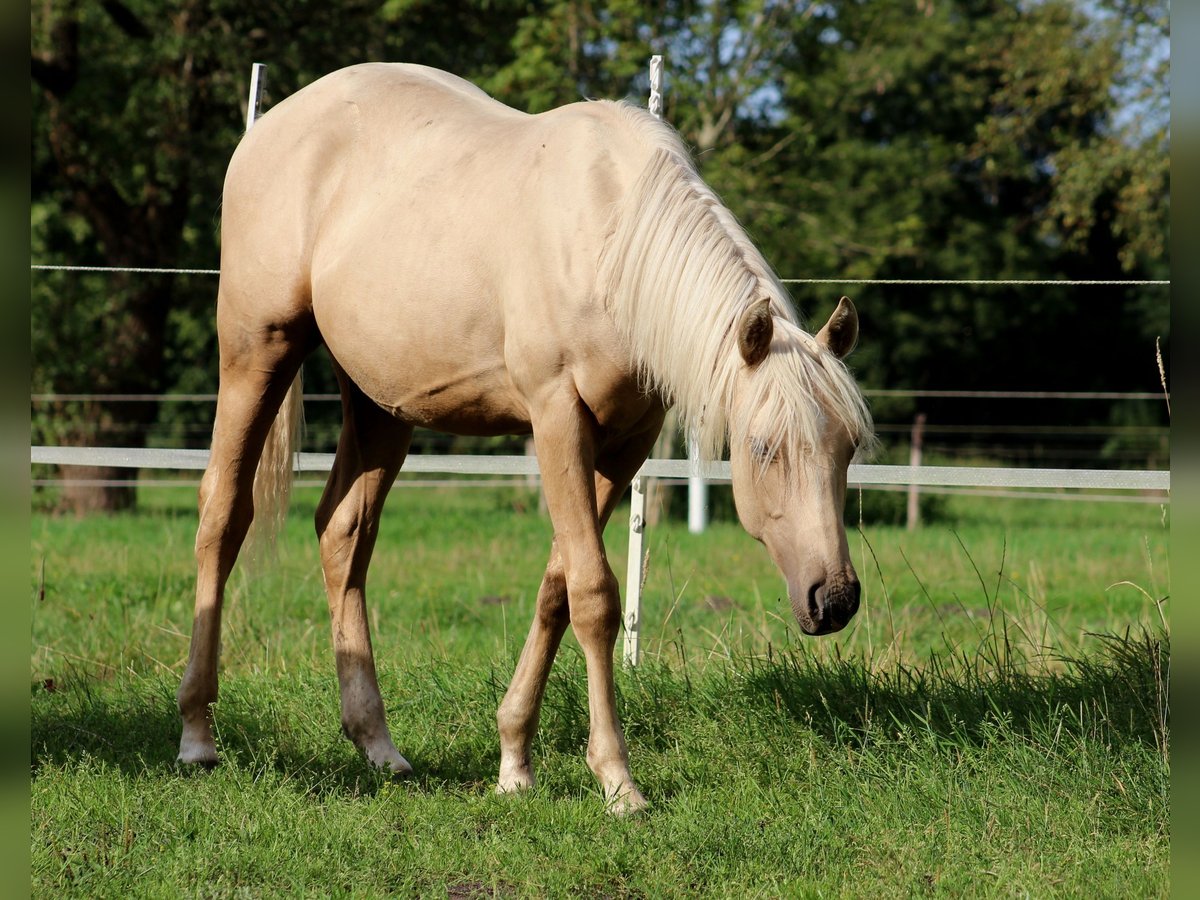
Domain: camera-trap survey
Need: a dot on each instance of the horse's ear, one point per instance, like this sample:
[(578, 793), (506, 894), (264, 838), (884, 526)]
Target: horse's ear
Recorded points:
[(754, 332), (840, 333)]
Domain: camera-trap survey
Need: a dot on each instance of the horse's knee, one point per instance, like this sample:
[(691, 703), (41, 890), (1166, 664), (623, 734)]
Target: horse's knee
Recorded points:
[(595, 604), (207, 486), (225, 513)]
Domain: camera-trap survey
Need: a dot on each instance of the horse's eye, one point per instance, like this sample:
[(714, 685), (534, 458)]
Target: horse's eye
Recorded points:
[(760, 450)]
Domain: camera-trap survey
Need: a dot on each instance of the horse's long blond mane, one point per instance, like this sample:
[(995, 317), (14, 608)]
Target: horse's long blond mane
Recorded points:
[(677, 273)]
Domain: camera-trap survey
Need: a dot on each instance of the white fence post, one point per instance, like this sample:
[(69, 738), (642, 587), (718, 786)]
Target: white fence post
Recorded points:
[(697, 486), (637, 496), (914, 460), (697, 492), (633, 572), (656, 98), (258, 81)]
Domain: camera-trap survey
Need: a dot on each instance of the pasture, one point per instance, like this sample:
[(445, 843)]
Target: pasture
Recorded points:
[(993, 722)]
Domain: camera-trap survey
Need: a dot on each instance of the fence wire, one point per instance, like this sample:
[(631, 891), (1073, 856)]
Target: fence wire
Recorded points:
[(975, 282)]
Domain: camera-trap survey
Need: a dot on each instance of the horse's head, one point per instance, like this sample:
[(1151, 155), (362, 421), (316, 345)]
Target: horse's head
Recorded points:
[(790, 458)]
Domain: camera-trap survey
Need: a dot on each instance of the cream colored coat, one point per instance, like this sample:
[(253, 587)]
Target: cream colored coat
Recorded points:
[(476, 270)]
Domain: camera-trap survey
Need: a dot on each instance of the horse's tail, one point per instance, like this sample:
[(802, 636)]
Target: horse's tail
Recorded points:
[(273, 479)]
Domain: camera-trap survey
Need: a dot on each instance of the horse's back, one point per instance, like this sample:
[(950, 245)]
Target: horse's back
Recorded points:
[(372, 144), (289, 166)]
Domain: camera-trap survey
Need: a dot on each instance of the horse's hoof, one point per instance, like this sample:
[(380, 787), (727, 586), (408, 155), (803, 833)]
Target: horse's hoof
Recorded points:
[(515, 784), (627, 803), (400, 767), (196, 754), (194, 763), (397, 766), (390, 761)]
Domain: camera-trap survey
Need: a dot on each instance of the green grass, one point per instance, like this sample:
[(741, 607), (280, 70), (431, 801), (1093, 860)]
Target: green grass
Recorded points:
[(993, 724)]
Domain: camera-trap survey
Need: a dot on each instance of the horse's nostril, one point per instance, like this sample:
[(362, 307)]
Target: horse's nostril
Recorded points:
[(815, 602)]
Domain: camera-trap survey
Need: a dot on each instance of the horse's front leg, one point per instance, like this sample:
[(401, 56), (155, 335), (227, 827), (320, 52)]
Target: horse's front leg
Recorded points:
[(517, 718), (518, 715), (565, 440)]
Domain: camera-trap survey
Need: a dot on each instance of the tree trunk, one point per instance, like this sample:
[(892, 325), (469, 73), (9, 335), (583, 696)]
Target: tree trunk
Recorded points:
[(91, 489), (132, 364)]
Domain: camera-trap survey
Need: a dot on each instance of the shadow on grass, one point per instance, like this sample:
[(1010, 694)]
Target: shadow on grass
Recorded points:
[(78, 722), (1115, 696), (1112, 697), (136, 731)]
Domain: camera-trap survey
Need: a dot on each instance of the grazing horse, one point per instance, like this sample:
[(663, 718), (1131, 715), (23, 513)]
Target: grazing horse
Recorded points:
[(477, 270)]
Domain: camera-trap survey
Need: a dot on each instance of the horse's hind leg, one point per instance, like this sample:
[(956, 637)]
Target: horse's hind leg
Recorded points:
[(257, 368), (370, 451)]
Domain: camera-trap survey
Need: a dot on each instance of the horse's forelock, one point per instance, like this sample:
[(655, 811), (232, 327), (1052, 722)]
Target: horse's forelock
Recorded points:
[(794, 393)]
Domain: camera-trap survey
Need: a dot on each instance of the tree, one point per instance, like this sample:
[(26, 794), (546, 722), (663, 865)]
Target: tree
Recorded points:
[(136, 107), (971, 139), (955, 141), (975, 139)]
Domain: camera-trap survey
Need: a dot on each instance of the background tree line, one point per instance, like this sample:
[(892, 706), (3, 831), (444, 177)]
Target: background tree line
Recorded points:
[(888, 139)]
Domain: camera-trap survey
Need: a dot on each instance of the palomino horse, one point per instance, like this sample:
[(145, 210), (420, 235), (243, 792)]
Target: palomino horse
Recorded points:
[(477, 270)]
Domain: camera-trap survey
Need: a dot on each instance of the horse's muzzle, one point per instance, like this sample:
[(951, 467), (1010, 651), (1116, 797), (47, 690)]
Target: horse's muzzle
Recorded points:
[(828, 605)]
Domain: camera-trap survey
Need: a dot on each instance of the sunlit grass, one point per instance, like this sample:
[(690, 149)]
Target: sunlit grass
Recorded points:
[(994, 722)]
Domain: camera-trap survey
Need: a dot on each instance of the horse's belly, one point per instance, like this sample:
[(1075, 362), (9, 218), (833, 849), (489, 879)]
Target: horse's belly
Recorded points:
[(443, 385), (476, 408)]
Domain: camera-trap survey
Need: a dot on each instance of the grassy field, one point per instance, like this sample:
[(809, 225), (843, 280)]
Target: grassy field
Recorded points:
[(992, 724)]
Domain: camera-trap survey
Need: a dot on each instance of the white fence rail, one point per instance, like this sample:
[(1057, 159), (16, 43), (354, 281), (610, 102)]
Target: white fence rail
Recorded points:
[(860, 475)]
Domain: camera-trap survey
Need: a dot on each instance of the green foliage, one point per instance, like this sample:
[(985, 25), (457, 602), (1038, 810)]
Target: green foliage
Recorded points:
[(136, 109), (973, 139)]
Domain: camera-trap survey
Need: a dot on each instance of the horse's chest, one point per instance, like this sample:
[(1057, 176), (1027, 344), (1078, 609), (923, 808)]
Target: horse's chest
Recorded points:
[(613, 397)]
